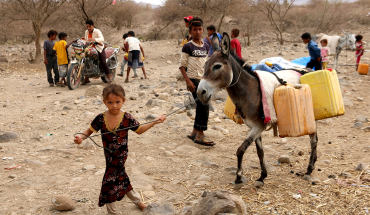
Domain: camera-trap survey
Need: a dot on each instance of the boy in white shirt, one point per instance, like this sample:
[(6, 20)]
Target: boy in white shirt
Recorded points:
[(135, 60)]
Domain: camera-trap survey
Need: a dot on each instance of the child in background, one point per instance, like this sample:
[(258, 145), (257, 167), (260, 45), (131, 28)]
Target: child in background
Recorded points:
[(359, 49), (193, 58), (135, 57), (208, 40), (125, 59), (314, 51), (116, 184), (50, 59), (325, 52), (235, 44), (61, 51)]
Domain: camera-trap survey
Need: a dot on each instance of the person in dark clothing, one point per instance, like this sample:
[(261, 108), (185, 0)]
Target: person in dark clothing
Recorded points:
[(193, 57), (50, 59), (314, 51)]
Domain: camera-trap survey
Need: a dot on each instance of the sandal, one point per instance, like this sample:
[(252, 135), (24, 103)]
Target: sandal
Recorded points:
[(204, 143), (192, 137)]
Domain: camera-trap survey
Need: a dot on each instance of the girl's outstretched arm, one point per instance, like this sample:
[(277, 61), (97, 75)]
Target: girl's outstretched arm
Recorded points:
[(79, 138), (146, 127)]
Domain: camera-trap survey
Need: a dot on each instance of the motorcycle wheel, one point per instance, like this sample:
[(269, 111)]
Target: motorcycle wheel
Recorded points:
[(112, 74), (73, 81)]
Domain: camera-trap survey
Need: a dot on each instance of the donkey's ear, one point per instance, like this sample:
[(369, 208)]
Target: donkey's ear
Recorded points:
[(225, 44), (215, 43)]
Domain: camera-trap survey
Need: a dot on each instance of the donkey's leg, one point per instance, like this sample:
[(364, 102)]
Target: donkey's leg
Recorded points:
[(256, 132), (313, 157), (259, 182)]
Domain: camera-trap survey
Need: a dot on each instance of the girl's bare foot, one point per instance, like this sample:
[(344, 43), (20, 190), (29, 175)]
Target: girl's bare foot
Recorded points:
[(142, 206), (126, 81)]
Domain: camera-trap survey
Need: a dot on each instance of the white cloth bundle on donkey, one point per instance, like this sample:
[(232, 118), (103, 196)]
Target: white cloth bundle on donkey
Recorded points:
[(268, 84)]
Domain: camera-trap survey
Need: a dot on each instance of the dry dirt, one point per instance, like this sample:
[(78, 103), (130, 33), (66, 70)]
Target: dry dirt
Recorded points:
[(163, 164)]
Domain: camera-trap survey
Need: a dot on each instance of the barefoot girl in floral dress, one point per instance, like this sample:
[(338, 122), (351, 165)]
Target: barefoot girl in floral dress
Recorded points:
[(116, 184)]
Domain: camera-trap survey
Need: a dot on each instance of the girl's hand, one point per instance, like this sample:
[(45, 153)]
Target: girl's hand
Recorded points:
[(91, 40), (78, 140), (161, 119), (46, 61)]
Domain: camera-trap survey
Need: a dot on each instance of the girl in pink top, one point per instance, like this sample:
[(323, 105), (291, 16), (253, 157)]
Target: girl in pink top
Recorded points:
[(325, 52)]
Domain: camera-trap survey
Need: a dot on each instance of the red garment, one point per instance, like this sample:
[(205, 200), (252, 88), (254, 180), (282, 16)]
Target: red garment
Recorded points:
[(236, 47)]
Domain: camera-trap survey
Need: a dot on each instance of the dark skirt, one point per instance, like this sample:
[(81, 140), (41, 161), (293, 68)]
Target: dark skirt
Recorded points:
[(135, 60)]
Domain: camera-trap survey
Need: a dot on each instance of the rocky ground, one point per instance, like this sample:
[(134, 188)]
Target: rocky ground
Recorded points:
[(165, 166)]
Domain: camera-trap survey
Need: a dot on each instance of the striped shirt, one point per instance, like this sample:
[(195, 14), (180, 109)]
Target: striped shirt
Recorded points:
[(193, 58)]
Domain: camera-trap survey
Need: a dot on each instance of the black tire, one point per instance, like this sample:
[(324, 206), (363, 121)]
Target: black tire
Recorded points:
[(112, 76), (73, 81)]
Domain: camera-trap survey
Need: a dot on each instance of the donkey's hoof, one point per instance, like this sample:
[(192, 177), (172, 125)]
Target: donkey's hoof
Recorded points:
[(306, 177), (238, 186), (259, 184)]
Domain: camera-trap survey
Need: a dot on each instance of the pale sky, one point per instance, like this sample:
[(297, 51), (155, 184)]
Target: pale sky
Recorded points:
[(157, 2)]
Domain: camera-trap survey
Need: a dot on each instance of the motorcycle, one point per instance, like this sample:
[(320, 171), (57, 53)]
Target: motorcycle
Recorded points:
[(85, 63)]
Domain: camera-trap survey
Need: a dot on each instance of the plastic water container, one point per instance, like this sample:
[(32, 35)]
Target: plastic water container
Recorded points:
[(363, 69), (230, 111), (326, 94), (264, 67), (294, 111)]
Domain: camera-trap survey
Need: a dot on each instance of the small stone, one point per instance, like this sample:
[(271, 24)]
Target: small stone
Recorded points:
[(12, 176), (332, 176), (361, 119), (150, 117), (315, 180), (94, 90), (133, 97), (360, 99), (149, 193), (36, 162), (168, 153), (289, 147), (190, 113), (357, 125), (8, 137), (63, 203), (88, 167), (284, 159), (89, 146), (361, 167), (142, 93), (67, 108), (64, 113), (367, 128), (300, 153), (204, 178), (346, 174), (283, 141), (327, 162), (39, 96)]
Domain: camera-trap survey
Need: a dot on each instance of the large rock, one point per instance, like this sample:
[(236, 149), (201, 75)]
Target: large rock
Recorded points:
[(166, 208), (63, 203), (96, 90), (8, 136), (219, 202)]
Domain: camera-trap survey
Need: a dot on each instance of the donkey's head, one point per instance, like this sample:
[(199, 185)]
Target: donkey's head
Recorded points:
[(218, 73), (350, 41)]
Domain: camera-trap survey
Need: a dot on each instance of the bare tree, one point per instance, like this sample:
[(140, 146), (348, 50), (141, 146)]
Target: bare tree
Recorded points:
[(89, 9), (38, 12), (276, 11), (125, 13)]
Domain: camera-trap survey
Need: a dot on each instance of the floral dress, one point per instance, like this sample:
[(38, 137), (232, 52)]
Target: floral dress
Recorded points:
[(115, 183)]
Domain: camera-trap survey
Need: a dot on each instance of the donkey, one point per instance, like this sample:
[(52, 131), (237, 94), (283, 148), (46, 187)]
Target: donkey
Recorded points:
[(337, 43), (224, 70)]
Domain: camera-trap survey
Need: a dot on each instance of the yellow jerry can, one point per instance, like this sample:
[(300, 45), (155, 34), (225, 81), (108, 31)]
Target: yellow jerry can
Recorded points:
[(326, 95), (294, 110), (230, 111)]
